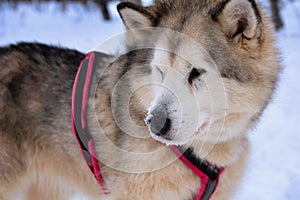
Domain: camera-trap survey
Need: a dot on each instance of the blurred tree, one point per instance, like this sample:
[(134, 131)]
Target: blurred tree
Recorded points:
[(276, 17)]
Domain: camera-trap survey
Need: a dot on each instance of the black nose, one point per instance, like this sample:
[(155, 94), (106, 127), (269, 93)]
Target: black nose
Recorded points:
[(159, 127), (158, 121), (164, 129)]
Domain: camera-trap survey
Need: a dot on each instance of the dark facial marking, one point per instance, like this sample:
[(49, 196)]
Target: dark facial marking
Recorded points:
[(237, 73)]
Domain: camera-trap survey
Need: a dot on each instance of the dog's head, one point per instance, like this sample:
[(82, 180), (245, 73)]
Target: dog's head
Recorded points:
[(213, 66)]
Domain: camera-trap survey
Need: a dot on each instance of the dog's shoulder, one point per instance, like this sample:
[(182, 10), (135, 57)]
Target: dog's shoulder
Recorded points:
[(32, 78)]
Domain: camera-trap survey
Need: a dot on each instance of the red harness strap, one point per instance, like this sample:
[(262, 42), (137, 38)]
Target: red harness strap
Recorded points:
[(208, 173), (80, 96)]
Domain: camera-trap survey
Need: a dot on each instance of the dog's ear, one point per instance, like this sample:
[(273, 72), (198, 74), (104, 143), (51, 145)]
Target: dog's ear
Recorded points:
[(134, 16), (239, 19)]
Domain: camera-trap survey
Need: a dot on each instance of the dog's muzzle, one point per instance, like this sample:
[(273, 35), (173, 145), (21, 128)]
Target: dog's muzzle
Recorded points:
[(158, 121)]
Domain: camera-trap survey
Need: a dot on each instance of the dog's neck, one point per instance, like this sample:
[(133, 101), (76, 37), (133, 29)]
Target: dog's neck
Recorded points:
[(223, 153)]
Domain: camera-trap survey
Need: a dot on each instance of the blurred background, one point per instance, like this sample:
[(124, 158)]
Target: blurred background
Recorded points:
[(274, 168)]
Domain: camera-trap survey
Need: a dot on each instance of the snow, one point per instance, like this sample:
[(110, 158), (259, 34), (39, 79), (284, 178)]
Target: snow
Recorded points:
[(274, 167), (77, 27)]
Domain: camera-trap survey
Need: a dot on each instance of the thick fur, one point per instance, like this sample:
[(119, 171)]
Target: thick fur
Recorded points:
[(39, 156)]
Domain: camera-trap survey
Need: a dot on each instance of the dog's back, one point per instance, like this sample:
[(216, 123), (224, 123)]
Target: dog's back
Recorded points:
[(35, 94)]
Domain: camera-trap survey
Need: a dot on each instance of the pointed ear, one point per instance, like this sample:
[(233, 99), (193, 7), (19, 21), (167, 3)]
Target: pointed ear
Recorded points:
[(134, 16), (239, 19)]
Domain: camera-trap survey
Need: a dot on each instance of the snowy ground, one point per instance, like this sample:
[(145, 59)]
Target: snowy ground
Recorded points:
[(274, 169)]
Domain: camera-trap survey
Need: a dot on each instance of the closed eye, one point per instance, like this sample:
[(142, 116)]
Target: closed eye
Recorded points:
[(160, 71), (195, 73)]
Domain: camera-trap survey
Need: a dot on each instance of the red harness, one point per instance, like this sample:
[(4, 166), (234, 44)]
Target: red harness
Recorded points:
[(209, 174)]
